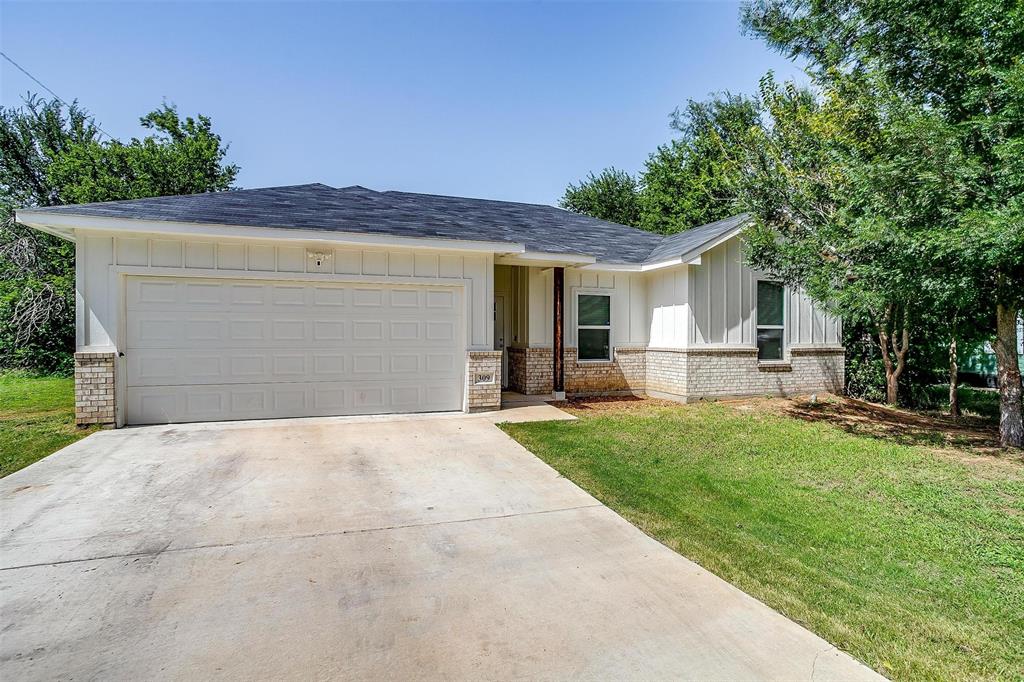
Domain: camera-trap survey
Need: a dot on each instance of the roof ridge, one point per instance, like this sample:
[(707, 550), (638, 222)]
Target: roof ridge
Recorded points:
[(455, 196)]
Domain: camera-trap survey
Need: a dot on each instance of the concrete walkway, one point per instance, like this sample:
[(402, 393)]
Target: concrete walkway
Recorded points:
[(415, 548)]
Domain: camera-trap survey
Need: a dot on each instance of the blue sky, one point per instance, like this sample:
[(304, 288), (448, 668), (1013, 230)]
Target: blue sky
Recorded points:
[(498, 100)]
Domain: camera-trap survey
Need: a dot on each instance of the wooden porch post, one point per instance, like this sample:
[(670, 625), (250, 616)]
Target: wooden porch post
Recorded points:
[(558, 363)]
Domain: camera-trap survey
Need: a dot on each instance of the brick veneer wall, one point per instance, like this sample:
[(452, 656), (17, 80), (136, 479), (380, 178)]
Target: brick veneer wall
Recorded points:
[(517, 369), (715, 374), (94, 388), (685, 374), (530, 372), (626, 373), (485, 366), (720, 372), (666, 371)]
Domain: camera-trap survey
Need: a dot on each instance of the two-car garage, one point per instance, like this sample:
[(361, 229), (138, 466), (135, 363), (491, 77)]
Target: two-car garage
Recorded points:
[(214, 349)]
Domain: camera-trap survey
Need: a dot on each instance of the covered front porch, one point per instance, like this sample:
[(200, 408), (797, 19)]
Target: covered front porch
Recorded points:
[(553, 325)]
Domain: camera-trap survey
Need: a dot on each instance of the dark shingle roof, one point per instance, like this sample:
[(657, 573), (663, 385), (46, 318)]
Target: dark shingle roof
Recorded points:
[(675, 245), (404, 214), (540, 227), (309, 207)]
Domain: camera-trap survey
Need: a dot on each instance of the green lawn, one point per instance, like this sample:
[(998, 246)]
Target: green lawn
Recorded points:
[(910, 559), (37, 417)]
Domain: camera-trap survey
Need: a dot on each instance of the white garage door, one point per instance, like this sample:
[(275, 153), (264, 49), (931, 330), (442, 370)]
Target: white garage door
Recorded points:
[(210, 349)]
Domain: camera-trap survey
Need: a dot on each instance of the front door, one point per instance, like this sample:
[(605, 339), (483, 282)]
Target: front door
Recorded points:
[(500, 333)]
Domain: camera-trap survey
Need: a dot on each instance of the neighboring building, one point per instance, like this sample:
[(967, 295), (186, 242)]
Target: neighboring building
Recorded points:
[(310, 300), (978, 368)]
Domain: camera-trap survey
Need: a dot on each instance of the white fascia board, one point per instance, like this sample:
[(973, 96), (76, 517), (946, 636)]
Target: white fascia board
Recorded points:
[(635, 267), (62, 232), (54, 223), (613, 267), (546, 259), (647, 267)]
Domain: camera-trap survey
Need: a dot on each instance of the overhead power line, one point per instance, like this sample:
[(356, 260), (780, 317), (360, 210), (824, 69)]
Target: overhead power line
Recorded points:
[(41, 84)]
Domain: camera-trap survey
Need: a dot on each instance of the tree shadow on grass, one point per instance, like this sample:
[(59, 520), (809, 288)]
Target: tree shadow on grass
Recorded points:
[(977, 434)]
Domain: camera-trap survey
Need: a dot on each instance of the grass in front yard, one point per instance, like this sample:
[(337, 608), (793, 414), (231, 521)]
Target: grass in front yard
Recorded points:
[(909, 557), (37, 417)]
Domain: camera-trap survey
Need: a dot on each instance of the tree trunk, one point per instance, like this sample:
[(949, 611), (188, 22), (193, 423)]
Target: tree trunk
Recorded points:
[(954, 380), (892, 387), (1011, 425), (895, 318)]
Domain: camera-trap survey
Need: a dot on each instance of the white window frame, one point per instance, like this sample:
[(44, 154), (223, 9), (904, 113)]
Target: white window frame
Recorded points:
[(611, 346), (785, 316)]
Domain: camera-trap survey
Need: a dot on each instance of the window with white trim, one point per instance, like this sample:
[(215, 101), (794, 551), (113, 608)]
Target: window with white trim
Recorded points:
[(594, 327), (771, 318)]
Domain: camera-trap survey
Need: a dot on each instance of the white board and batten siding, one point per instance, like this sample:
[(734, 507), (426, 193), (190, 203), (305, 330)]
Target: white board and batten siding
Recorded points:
[(715, 303), (114, 315), (670, 319), (628, 292)]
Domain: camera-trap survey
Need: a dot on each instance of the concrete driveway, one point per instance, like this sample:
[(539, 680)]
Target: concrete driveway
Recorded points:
[(343, 548)]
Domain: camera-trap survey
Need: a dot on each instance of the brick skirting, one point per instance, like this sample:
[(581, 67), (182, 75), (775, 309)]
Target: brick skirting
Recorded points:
[(666, 372), (626, 373), (695, 373), (684, 374), (94, 388), (530, 372), (483, 380)]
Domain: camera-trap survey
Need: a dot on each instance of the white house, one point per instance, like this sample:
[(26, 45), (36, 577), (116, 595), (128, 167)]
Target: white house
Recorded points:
[(310, 300)]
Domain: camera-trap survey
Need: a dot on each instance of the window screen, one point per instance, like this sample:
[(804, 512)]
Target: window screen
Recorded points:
[(593, 327), (770, 320)]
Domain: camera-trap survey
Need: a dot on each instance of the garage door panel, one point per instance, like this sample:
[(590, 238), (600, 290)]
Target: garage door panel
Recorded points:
[(169, 367), (166, 404), (211, 349), (213, 330), (204, 294), (183, 295), (368, 297), (152, 292), (440, 300)]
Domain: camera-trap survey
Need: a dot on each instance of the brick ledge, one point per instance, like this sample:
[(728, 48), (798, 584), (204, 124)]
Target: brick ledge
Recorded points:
[(817, 350)]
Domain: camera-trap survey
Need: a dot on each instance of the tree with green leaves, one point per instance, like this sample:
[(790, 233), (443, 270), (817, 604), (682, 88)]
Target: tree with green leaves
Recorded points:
[(826, 178), (52, 154), (686, 182), (690, 181), (36, 279), (960, 60), (610, 195)]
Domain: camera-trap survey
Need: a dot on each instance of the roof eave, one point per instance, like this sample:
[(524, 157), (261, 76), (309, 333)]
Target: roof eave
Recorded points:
[(693, 256), (67, 233), (547, 259), (65, 225)]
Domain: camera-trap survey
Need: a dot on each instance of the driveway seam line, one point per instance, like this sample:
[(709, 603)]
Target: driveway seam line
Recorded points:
[(303, 536)]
